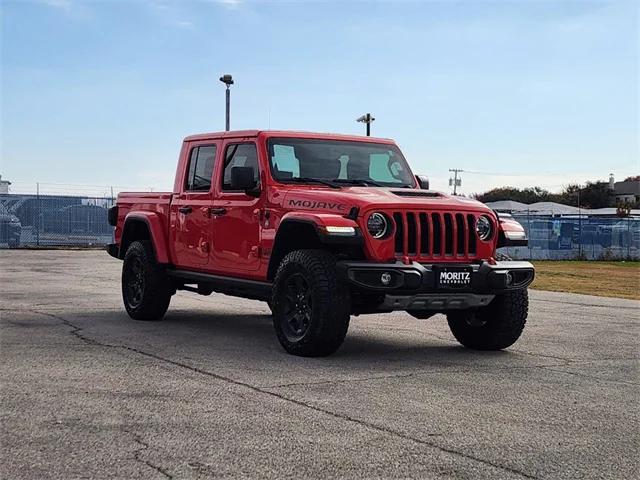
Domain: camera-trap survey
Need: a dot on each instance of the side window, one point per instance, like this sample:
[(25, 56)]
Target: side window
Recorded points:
[(240, 155), (200, 169)]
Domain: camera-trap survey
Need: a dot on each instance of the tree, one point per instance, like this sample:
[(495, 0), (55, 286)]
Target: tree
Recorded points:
[(525, 195), (590, 195)]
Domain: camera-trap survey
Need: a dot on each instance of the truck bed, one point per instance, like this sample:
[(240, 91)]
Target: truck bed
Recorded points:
[(157, 202), (145, 201)]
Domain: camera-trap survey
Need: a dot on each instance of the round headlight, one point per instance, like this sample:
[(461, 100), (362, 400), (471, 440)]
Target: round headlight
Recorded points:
[(484, 228), (377, 225)]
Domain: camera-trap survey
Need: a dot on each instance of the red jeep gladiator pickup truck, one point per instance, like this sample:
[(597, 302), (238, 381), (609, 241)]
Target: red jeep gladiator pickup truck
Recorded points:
[(321, 227)]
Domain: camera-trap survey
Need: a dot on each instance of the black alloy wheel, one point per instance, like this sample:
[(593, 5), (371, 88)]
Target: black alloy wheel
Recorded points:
[(134, 283), (298, 308)]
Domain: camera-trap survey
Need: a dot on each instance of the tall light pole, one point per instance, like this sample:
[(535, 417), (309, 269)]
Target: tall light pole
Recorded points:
[(455, 181), (366, 118), (228, 81)]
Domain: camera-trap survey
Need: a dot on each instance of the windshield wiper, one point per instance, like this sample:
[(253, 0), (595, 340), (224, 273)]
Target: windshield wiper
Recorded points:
[(357, 181), (328, 183)]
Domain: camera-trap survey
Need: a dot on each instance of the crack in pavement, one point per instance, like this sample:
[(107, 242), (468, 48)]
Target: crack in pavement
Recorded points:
[(145, 446), (75, 331), (586, 304), (567, 361), (408, 375), (593, 377)]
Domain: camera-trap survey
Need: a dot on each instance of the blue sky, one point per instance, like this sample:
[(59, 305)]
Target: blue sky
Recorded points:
[(527, 92)]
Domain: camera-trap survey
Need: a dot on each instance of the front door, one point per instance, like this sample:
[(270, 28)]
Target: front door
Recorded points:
[(236, 232), (190, 231)]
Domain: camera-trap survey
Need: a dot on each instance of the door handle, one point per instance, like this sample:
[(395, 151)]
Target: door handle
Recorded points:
[(217, 211), (185, 210)]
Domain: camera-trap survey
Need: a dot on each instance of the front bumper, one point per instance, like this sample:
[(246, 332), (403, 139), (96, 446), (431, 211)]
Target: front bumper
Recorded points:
[(416, 286)]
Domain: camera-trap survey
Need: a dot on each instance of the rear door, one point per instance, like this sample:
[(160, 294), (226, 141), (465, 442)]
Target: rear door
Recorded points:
[(190, 231)]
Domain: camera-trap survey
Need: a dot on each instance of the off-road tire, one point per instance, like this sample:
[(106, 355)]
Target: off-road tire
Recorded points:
[(152, 297), (494, 327), (329, 309)]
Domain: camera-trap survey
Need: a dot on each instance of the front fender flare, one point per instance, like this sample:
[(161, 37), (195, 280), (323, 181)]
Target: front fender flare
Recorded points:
[(320, 222), (298, 230)]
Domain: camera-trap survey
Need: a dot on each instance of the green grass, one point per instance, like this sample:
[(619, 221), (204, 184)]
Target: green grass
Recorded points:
[(604, 279)]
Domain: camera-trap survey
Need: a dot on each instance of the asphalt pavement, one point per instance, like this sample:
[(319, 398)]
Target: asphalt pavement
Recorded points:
[(87, 392)]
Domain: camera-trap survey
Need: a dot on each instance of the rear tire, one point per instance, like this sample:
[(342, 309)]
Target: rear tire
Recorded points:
[(311, 307), (494, 327), (146, 289)]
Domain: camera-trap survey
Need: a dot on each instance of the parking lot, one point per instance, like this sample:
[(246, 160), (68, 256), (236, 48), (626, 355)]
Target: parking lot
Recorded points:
[(87, 392)]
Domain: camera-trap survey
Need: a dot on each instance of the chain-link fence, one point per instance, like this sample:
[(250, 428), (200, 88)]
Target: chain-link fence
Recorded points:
[(32, 220), (54, 220), (594, 237)]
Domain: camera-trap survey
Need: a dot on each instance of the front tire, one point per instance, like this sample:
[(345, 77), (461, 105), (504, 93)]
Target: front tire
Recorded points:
[(311, 307), (146, 289), (494, 327)]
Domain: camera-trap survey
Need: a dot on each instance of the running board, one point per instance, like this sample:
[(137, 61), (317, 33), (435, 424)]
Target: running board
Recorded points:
[(228, 285)]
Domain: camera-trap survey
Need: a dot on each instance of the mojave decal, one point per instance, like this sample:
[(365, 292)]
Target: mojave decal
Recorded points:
[(316, 205)]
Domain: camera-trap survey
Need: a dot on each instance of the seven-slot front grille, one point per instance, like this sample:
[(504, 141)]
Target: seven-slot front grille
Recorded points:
[(435, 234)]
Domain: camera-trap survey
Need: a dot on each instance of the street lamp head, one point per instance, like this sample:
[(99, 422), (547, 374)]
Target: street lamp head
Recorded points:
[(366, 118), (227, 79)]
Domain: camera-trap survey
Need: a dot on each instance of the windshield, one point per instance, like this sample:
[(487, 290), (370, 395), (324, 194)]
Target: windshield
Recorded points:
[(339, 162)]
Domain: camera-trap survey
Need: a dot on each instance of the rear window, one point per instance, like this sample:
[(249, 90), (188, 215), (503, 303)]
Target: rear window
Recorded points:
[(200, 169)]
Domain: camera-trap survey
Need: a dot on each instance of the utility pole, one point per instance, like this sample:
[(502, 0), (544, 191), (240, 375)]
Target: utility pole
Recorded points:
[(228, 81), (455, 181), (366, 118), (38, 214), (579, 226)]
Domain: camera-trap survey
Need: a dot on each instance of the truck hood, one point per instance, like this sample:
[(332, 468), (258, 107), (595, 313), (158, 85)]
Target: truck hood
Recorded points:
[(368, 198)]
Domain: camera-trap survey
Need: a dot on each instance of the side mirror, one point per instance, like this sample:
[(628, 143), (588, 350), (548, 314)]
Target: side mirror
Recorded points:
[(423, 181), (243, 179)]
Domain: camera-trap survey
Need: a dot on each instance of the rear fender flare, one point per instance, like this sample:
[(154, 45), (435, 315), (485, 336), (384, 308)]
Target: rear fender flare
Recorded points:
[(156, 233)]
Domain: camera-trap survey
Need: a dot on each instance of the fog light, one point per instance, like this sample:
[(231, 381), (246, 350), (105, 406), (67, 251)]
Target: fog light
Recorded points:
[(509, 278), (385, 278)]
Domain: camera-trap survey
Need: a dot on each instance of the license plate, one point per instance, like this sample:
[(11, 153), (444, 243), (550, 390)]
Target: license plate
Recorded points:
[(454, 277)]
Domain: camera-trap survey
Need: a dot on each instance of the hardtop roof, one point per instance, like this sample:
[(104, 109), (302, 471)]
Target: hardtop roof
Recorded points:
[(284, 133)]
